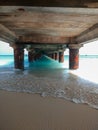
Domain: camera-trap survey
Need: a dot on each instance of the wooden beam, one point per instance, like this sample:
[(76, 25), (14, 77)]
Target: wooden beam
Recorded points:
[(44, 39), (16, 9), (89, 34), (7, 35), (48, 46), (52, 3)]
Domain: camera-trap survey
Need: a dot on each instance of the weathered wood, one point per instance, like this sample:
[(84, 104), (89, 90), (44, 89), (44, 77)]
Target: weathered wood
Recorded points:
[(45, 25), (44, 39), (75, 46), (89, 34), (7, 35), (42, 23), (53, 3)]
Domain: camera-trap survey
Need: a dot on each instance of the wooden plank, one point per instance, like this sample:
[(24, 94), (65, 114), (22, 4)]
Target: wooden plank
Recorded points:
[(89, 34), (53, 3), (43, 39), (7, 35)]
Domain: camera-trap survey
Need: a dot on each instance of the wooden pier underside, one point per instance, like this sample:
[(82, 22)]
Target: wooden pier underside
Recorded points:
[(48, 27)]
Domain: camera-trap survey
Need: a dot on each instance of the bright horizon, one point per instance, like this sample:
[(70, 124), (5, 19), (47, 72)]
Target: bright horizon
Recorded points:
[(88, 49)]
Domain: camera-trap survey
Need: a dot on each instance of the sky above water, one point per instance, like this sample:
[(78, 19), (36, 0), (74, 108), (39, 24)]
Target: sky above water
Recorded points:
[(87, 49)]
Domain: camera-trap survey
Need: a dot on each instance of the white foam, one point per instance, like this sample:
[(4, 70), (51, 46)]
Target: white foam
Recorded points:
[(75, 100), (60, 93), (62, 85)]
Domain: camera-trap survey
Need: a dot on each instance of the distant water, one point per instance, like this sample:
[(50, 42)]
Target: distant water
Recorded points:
[(50, 78)]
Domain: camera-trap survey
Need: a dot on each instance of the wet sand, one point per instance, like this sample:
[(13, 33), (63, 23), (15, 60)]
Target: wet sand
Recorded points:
[(23, 111)]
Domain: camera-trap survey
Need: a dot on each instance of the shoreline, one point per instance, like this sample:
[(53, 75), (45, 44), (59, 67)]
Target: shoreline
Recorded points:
[(23, 111), (60, 84)]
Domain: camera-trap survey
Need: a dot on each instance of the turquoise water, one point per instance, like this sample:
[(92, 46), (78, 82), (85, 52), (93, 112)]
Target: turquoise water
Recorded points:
[(43, 63), (7, 61), (48, 77), (88, 66)]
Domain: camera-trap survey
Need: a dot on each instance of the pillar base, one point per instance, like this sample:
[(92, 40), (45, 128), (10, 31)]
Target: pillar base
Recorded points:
[(19, 57), (74, 59), (61, 57), (53, 56), (30, 56), (74, 55), (56, 56)]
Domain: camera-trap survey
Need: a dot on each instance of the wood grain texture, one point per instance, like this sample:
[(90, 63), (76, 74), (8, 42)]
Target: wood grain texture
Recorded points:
[(52, 3), (48, 24)]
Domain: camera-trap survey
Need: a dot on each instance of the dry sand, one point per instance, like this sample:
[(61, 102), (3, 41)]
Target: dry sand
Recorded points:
[(22, 111)]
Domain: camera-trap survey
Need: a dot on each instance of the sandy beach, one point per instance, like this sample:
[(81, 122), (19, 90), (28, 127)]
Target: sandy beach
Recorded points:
[(49, 98), (22, 111)]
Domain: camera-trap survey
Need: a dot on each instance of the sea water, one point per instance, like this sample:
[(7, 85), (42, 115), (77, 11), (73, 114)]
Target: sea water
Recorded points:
[(48, 77)]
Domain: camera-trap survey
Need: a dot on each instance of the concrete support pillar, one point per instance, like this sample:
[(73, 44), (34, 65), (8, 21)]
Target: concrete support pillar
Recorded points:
[(53, 56), (74, 56), (30, 56), (56, 56), (61, 57), (19, 57)]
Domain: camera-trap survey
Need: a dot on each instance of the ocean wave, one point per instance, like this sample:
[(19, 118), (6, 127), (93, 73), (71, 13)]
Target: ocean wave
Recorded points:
[(62, 85)]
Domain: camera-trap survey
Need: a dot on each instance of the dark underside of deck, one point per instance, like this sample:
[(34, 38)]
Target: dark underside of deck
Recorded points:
[(48, 26)]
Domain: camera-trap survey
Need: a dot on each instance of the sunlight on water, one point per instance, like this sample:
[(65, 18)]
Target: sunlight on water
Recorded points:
[(5, 62)]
